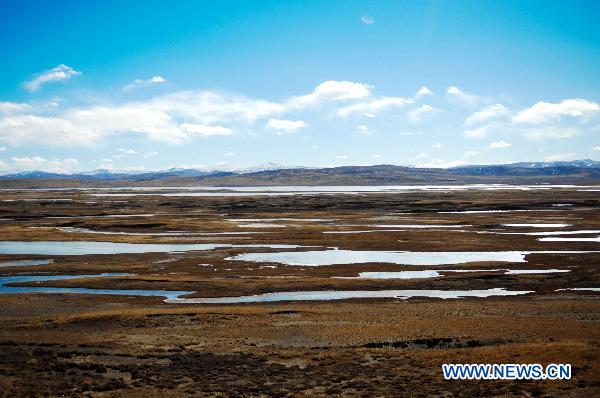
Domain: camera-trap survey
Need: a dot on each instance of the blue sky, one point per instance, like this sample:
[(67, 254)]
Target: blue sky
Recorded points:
[(156, 84)]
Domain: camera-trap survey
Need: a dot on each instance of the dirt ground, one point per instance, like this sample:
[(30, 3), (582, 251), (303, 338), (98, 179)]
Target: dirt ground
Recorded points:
[(112, 346)]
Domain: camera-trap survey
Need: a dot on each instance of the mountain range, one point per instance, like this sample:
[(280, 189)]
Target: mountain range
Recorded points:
[(576, 172)]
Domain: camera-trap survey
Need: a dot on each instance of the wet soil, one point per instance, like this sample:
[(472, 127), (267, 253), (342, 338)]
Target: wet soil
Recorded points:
[(105, 346)]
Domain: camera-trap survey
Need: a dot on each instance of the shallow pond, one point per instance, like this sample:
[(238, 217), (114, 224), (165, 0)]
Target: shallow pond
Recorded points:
[(561, 225), (558, 239), (59, 248), (340, 257), (4, 289), (175, 296), (23, 263), (349, 294), (337, 257), (66, 248), (438, 273)]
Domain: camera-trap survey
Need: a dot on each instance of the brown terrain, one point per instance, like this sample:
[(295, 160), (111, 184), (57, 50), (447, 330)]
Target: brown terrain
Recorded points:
[(117, 345)]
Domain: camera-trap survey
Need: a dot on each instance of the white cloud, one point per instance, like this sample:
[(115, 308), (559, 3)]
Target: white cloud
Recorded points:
[(596, 148), (229, 154), (437, 145), (441, 164), (421, 113), (487, 113), (2, 148), (332, 90), (40, 163), (376, 156), (363, 129), (202, 130), (3, 166), (208, 107), (59, 73), (499, 145), (7, 107), (480, 132), (541, 133), (86, 126), (424, 91), (561, 157), (367, 19), (421, 156), (130, 118), (127, 151), (144, 82), (52, 131), (546, 112), (373, 106), (341, 157), (543, 120), (282, 126), (173, 118), (457, 93), (369, 115)]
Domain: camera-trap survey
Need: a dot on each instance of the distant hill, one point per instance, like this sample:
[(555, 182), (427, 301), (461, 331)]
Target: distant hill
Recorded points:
[(574, 172)]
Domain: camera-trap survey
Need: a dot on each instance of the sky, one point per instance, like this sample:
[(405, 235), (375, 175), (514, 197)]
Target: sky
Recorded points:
[(151, 85)]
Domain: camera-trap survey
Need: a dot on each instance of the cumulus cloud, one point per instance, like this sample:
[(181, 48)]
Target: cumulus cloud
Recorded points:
[(332, 90), (437, 145), (486, 114), (423, 91), (369, 108), (363, 129), (144, 82), (545, 112), (543, 120), (202, 130), (130, 118), (52, 131), (421, 113), (208, 107), (127, 151), (481, 131), (173, 118), (499, 145), (282, 126), (7, 107), (176, 117), (39, 163), (57, 74), (456, 93)]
